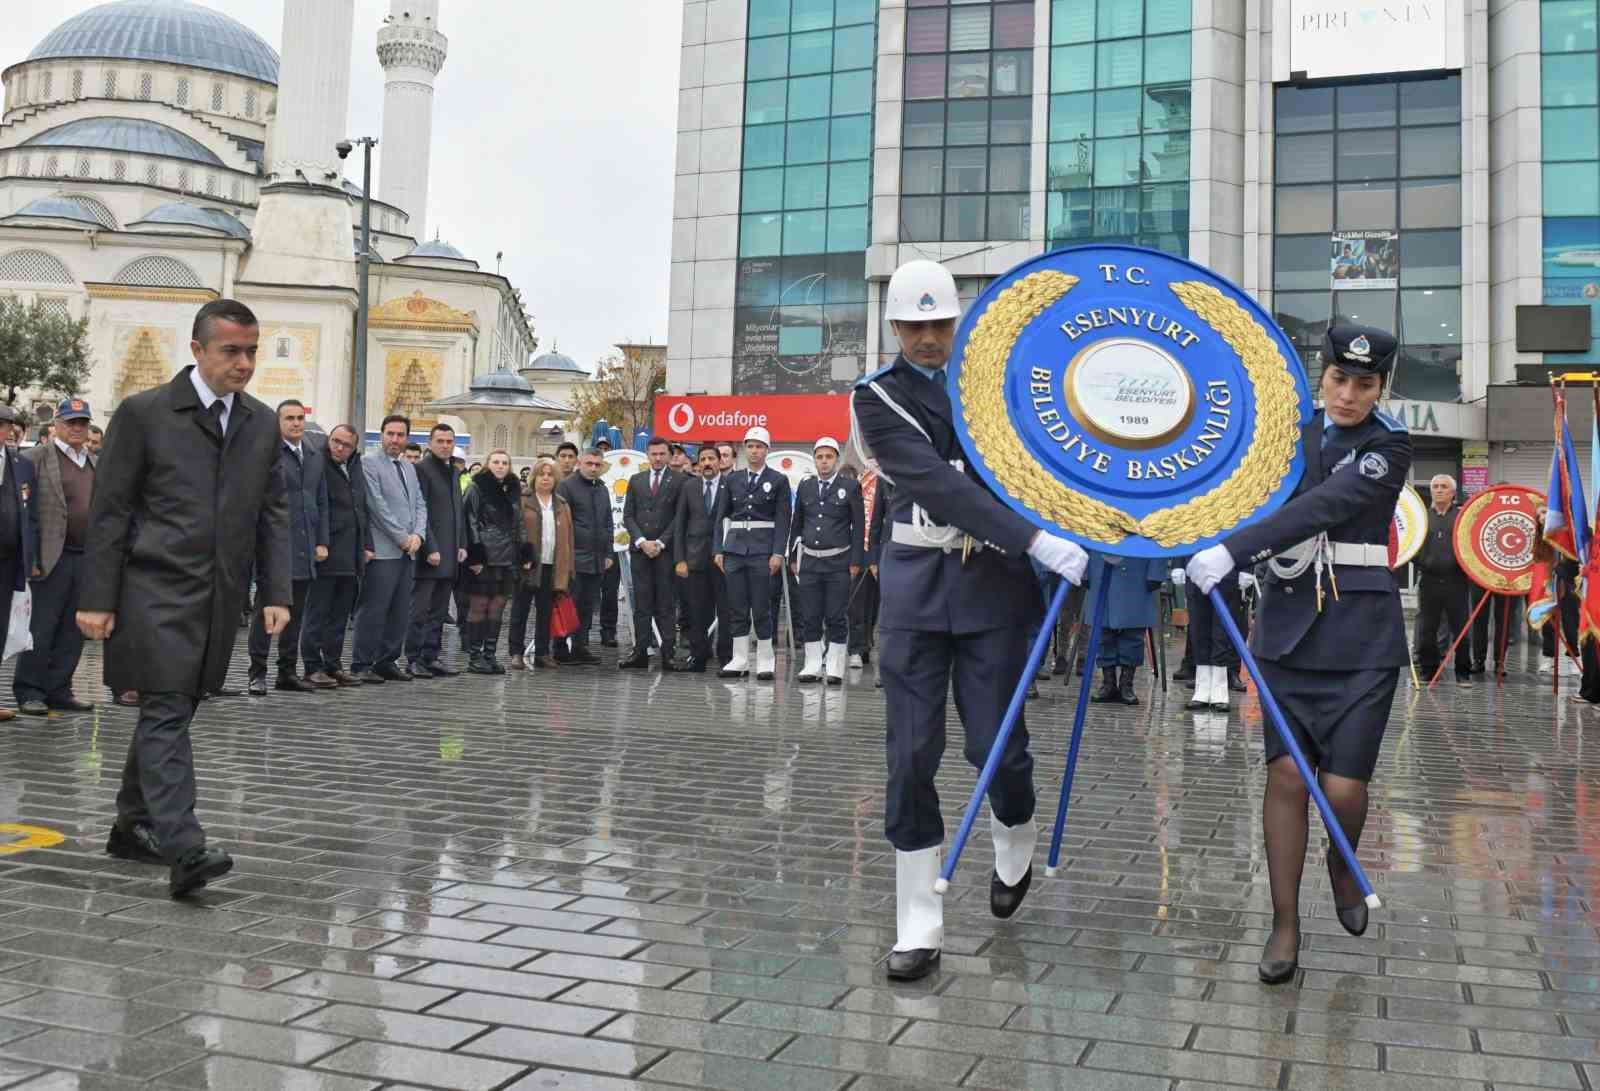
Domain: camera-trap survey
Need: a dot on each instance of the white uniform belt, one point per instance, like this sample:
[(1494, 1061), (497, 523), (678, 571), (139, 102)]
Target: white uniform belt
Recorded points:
[(809, 552), (945, 538), (1360, 554), (746, 524)]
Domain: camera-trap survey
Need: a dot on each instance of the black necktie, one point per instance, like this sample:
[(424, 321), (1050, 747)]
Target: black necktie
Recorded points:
[(401, 471), (711, 497), (217, 410), (655, 482)]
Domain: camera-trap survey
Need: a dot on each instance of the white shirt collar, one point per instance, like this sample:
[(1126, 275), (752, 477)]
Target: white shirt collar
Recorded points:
[(79, 458), (207, 395)]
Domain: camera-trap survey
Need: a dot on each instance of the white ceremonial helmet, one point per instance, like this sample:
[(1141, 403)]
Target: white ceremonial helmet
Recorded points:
[(922, 291), (825, 441), (760, 435)]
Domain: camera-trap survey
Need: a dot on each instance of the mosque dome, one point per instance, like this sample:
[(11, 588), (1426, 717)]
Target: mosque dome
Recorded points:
[(506, 381), (182, 214), (122, 134), (554, 361), (168, 31), (67, 210), (437, 249)]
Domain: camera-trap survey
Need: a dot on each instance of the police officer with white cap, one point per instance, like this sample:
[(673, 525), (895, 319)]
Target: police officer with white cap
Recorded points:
[(749, 546), (829, 520), (1329, 638), (958, 598)]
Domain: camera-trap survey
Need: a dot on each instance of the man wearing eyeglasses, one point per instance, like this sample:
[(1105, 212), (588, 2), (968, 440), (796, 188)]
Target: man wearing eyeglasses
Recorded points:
[(332, 596)]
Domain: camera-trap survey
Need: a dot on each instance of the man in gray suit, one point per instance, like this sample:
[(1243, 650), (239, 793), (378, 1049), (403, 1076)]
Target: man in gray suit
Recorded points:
[(399, 518)]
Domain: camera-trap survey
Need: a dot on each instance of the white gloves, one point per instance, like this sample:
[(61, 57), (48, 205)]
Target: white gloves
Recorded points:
[(1066, 559), (1177, 576), (1207, 567), (1246, 581)]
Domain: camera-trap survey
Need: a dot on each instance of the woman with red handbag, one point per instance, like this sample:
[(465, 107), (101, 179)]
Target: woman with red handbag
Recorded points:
[(547, 568)]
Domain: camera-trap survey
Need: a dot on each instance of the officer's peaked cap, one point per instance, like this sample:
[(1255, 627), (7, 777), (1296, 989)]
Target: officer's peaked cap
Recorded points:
[(1360, 350)]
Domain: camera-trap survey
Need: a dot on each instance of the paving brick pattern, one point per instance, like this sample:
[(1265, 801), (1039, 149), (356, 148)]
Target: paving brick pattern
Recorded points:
[(587, 880)]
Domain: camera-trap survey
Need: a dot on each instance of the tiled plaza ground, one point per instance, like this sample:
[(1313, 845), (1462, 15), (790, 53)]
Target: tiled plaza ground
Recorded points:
[(586, 879)]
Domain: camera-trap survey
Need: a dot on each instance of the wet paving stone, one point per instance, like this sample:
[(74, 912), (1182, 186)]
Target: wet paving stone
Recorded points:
[(591, 881)]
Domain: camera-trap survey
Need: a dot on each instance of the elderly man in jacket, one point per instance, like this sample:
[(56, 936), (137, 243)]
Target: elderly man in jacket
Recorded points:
[(187, 499), (593, 551), (350, 547), (66, 488), (306, 487)]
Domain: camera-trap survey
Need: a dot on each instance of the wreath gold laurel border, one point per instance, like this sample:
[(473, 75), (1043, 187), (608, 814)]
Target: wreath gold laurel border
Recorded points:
[(1469, 525), (1260, 472)]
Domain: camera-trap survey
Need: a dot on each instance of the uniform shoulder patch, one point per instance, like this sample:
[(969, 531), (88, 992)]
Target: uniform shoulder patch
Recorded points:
[(1392, 423), (1373, 465)]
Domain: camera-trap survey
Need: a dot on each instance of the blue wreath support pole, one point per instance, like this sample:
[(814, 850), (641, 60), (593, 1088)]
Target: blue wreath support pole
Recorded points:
[(1275, 714), (1008, 725), (1096, 622)]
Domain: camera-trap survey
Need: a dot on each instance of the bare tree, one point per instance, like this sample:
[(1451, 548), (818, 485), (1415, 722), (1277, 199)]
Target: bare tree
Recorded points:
[(623, 392)]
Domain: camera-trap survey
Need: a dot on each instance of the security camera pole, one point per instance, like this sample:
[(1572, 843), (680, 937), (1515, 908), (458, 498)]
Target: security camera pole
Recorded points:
[(358, 404)]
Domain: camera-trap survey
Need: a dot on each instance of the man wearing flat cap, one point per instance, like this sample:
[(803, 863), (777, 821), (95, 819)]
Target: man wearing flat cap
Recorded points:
[(66, 489)]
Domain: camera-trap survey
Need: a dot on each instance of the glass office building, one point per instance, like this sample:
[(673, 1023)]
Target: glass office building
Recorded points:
[(1438, 175)]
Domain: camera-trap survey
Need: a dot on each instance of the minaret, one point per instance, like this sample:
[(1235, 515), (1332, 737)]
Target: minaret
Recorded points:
[(412, 52), (302, 231)]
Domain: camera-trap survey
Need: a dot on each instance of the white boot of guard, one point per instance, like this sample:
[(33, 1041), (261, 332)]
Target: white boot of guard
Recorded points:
[(812, 671), (918, 915), (1013, 864)]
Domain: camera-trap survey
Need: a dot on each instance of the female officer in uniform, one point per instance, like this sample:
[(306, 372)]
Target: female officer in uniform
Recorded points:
[(1329, 638)]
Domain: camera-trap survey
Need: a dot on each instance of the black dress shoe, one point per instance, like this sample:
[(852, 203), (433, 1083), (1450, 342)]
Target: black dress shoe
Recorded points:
[(391, 673), (293, 683), (137, 843), (257, 687), (1184, 673), (912, 965), (34, 708), (369, 678), (127, 699), (439, 670), (634, 663), (72, 704), (1004, 900), (1353, 918), (585, 658), (1236, 683), (693, 665), (1275, 971), (418, 672), (196, 868)]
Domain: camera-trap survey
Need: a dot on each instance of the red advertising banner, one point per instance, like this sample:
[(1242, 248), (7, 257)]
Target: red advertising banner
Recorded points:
[(788, 417)]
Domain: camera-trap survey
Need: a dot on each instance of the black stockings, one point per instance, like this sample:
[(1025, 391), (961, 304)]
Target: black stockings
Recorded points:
[(1285, 823), (483, 621)]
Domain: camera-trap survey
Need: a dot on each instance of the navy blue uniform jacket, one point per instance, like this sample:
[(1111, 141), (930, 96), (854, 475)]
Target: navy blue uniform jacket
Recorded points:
[(929, 589), (1349, 491), (1129, 603), (828, 519)]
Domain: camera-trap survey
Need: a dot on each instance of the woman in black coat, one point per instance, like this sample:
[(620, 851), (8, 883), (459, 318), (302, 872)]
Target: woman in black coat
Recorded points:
[(492, 508)]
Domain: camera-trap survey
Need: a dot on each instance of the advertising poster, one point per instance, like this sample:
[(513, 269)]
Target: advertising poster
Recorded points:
[(1365, 259), (800, 324), (1572, 247), (1573, 291)]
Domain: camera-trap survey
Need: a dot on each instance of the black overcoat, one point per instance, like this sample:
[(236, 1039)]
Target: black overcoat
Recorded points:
[(178, 520), (447, 523)]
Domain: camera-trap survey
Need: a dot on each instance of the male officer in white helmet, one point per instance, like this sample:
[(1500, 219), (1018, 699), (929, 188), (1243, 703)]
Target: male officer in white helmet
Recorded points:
[(748, 546), (829, 521), (958, 599)]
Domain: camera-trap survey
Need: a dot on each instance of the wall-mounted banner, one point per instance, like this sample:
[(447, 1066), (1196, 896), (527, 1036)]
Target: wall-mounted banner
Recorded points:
[(1365, 259), (697, 418), (1331, 38), (1133, 401)]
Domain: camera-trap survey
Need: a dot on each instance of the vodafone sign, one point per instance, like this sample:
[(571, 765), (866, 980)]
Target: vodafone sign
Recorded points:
[(788, 417)]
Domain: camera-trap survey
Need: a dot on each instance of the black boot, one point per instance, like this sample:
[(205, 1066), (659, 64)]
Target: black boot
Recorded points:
[(1235, 682), (1185, 671), (1125, 692), (1108, 692)]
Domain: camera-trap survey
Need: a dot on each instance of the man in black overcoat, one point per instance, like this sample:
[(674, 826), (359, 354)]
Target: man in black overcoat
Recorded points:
[(187, 499), (650, 512), (333, 593), (440, 558)]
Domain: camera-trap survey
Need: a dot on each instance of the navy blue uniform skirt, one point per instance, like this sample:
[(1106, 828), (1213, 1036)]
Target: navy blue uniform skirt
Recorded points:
[(1338, 717)]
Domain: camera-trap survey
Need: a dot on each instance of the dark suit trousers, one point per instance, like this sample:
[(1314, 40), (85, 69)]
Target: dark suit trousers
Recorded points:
[(536, 601), (724, 615), (158, 784), (918, 668), (1482, 642), (382, 614), (824, 591), (1212, 648), (45, 673), (1447, 597), (328, 606), (8, 581), (430, 605), (586, 589), (700, 588), (288, 640), (609, 583), (863, 613), (654, 599), (750, 586)]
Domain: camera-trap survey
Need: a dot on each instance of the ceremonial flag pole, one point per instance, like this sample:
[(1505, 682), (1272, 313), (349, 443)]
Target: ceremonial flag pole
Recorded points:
[(1275, 714), (1097, 620), (1013, 713)]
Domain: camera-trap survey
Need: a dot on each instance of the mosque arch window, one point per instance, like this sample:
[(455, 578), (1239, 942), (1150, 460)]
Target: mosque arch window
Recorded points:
[(119, 170), (110, 84), (236, 189), (24, 166), (250, 102), (218, 93), (77, 83), (95, 208), (54, 306), (502, 437), (44, 86), (152, 174), (211, 185), (183, 91), (52, 166), (158, 271), (34, 267), (22, 89), (184, 179), (147, 83), (83, 168)]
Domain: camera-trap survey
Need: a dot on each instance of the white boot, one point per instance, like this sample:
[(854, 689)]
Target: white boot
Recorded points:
[(812, 671), (918, 909), (766, 661), (739, 665), (1202, 688), (1013, 848), (835, 664), (1221, 695)]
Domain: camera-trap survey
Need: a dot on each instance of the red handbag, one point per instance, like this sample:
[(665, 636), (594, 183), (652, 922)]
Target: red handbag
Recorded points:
[(563, 615)]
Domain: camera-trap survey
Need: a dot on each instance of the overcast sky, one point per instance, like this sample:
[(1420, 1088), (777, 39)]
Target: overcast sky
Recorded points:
[(553, 140)]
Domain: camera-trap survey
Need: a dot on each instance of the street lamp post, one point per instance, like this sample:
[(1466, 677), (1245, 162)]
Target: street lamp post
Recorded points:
[(358, 402)]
